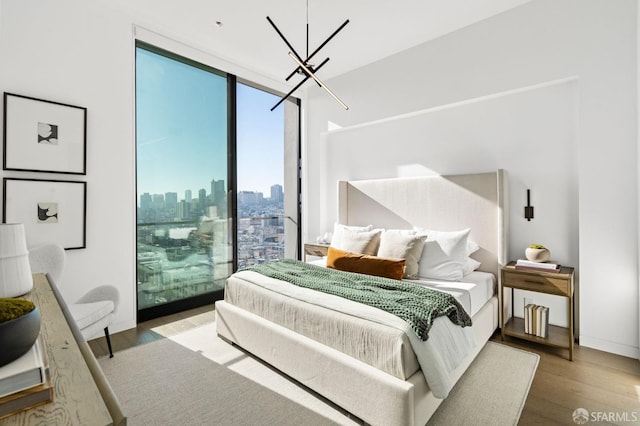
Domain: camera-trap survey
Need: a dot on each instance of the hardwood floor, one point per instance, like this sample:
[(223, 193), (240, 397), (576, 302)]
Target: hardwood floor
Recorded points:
[(144, 332), (606, 385)]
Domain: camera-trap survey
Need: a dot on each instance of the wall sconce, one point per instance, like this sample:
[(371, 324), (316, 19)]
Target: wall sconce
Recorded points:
[(15, 270), (528, 209)]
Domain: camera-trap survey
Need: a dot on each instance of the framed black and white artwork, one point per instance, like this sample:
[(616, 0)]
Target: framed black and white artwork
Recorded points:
[(52, 211), (44, 136)]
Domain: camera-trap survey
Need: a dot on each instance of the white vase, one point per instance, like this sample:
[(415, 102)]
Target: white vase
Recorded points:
[(537, 255), (15, 270)]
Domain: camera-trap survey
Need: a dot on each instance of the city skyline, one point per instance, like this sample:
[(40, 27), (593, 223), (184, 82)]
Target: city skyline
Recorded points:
[(194, 193)]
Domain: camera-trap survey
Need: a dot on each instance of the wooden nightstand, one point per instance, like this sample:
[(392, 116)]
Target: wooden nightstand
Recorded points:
[(315, 249), (556, 283)]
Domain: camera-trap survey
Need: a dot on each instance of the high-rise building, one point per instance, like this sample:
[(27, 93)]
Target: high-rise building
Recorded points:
[(277, 196), (184, 210), (187, 195), (219, 197), (171, 202), (217, 191), (158, 201), (202, 198), (146, 202)]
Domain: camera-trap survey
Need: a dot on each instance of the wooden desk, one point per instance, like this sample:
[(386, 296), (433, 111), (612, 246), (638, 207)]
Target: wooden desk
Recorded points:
[(77, 399)]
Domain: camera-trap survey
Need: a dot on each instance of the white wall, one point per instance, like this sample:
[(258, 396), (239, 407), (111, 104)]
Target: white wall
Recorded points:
[(75, 53), (82, 53), (498, 132), (587, 47)]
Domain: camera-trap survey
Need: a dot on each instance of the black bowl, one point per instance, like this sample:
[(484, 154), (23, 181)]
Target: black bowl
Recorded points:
[(18, 335)]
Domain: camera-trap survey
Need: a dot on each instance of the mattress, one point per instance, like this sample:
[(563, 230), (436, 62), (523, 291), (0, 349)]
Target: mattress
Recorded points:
[(473, 291), (387, 348)]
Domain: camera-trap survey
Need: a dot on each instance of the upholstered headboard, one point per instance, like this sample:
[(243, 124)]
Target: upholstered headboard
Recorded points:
[(445, 203)]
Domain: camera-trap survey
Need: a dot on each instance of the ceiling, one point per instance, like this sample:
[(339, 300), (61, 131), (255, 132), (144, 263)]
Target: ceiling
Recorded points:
[(377, 28)]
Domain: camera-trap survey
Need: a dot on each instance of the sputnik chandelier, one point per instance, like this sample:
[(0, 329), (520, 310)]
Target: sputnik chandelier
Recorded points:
[(304, 66)]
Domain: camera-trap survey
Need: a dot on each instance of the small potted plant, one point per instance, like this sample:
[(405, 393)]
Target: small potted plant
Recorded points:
[(537, 253), (19, 328)]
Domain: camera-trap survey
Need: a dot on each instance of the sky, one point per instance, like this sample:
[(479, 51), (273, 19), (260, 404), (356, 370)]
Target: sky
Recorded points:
[(260, 136), (182, 130)]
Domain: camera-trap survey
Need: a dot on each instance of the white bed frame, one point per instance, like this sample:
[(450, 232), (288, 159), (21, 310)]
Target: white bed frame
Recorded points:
[(475, 201)]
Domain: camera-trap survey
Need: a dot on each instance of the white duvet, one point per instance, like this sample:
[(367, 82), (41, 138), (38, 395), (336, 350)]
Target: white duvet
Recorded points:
[(447, 346)]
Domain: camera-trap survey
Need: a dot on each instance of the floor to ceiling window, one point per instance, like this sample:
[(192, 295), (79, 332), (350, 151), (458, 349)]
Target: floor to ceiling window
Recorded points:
[(217, 185), (182, 174), (267, 194)]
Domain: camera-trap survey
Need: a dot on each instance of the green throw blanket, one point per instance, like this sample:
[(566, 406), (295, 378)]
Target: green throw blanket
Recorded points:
[(417, 305)]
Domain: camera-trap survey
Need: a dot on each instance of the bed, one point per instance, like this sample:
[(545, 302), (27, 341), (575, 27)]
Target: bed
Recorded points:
[(384, 384)]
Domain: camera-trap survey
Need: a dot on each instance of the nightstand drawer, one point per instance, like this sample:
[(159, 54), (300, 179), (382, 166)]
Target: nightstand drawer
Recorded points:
[(315, 249), (536, 282)]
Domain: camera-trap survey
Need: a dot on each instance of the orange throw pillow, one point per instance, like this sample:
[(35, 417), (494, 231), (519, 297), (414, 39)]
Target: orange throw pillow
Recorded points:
[(365, 264)]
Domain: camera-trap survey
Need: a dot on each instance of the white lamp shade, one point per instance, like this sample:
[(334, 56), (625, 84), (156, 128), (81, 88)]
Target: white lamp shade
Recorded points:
[(15, 271)]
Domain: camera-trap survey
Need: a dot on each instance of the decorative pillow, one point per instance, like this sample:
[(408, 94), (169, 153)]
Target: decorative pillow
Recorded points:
[(402, 244), (365, 242), (444, 254), (336, 237), (365, 264)]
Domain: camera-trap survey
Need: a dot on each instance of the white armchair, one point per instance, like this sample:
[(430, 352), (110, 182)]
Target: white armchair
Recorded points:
[(93, 312)]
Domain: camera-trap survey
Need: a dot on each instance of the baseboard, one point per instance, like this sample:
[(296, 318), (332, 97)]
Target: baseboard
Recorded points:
[(611, 347)]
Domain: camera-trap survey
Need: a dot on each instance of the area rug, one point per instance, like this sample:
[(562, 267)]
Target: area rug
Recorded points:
[(195, 378), (492, 391)]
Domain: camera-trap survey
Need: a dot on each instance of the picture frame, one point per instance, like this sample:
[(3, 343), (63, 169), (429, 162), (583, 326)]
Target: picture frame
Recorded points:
[(44, 136), (52, 211)]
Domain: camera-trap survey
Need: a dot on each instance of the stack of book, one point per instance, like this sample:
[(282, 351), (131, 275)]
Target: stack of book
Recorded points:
[(25, 382), (536, 320), (527, 265)]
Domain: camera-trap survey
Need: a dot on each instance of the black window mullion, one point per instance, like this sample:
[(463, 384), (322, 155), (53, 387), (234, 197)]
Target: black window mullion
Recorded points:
[(232, 165)]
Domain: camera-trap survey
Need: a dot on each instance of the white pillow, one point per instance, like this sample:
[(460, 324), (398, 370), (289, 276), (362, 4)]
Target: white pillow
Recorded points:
[(402, 244), (470, 265), (365, 242), (472, 247), (336, 237), (444, 254)]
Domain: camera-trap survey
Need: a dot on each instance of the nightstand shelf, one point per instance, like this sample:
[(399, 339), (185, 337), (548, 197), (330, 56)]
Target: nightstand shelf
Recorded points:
[(558, 284), (558, 336)]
